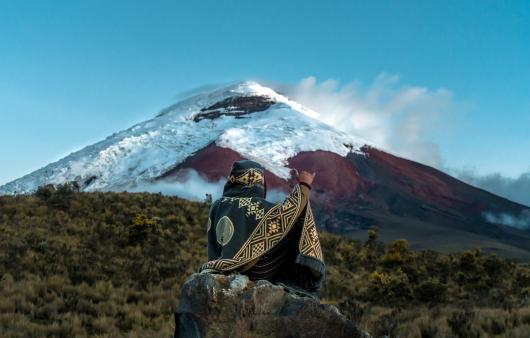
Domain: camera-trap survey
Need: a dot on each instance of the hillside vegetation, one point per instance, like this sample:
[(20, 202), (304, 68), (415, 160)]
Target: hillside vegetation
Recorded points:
[(111, 264)]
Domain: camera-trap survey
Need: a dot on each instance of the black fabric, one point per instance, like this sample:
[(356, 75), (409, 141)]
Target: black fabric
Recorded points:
[(307, 185), (282, 264), (246, 229), (234, 189)]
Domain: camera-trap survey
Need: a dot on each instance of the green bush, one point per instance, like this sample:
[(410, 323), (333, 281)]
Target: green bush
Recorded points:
[(460, 324), (111, 264)]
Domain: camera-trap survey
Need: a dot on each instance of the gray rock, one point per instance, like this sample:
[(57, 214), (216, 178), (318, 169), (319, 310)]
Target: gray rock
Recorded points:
[(215, 305)]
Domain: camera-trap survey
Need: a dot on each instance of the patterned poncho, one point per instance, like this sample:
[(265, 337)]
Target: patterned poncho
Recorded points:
[(246, 233)]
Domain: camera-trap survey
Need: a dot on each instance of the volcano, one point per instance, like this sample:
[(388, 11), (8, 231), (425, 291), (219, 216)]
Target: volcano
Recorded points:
[(357, 185)]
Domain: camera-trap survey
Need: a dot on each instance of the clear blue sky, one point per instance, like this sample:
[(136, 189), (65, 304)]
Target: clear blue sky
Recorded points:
[(73, 72)]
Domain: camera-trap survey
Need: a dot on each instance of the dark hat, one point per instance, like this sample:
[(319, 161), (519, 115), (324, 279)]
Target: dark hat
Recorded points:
[(242, 165), (246, 179)]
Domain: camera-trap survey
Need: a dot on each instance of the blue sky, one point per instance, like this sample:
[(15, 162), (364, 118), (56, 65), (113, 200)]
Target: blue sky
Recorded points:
[(73, 72)]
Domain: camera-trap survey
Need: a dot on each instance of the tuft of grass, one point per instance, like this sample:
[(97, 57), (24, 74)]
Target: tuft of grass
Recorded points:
[(111, 265)]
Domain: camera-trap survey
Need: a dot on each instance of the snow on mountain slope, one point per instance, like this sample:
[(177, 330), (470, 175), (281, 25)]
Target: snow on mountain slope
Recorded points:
[(188, 148), (251, 119)]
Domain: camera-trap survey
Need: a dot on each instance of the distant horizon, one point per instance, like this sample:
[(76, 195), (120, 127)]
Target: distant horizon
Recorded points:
[(444, 84), (190, 94)]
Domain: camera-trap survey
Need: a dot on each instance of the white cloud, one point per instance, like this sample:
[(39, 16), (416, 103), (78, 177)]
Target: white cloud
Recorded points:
[(521, 222), (193, 186), (516, 189), (401, 119), (398, 118)]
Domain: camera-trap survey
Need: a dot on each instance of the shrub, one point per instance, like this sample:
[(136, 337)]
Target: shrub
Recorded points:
[(140, 229), (77, 264), (460, 324), (431, 291)]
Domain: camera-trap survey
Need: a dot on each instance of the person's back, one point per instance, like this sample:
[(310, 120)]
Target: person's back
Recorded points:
[(278, 242)]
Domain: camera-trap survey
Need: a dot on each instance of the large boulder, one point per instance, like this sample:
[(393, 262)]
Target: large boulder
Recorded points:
[(215, 305)]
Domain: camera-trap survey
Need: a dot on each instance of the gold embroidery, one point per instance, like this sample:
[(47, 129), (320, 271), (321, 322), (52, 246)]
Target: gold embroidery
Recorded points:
[(251, 208), (257, 249), (274, 227), (309, 243), (248, 178), (264, 236)]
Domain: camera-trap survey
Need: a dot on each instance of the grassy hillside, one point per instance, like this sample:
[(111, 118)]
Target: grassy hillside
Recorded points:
[(111, 264)]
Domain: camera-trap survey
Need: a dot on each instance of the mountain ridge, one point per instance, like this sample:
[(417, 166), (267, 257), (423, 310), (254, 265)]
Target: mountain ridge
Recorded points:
[(357, 185), (171, 136)]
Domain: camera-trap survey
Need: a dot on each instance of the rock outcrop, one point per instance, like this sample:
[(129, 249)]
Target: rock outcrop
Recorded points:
[(215, 305)]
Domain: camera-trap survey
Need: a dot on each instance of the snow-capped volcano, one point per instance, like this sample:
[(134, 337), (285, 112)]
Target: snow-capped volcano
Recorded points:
[(251, 119), (357, 185)]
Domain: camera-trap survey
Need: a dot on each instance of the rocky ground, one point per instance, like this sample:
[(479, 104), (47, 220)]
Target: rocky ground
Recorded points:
[(214, 305)]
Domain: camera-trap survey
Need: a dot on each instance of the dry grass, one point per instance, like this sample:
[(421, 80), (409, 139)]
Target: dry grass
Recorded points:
[(111, 265)]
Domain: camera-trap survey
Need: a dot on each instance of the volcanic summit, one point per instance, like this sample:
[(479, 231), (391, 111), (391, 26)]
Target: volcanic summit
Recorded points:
[(357, 185)]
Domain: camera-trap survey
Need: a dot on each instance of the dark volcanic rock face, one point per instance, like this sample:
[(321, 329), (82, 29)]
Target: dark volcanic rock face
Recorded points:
[(213, 305), (237, 106), (214, 162), (403, 198)]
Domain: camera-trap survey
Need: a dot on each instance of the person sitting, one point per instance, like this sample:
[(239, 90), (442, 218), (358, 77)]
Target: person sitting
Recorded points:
[(263, 240)]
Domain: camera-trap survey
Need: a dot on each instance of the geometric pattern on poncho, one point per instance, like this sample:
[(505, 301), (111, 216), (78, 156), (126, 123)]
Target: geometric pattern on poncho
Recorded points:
[(309, 242), (249, 177), (272, 228), (251, 208)]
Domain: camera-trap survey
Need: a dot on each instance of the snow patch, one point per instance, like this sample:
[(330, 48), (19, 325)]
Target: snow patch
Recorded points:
[(142, 153), (279, 135)]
